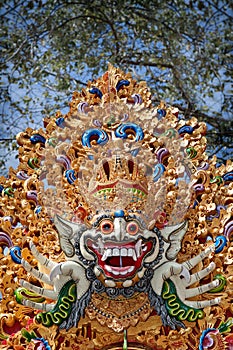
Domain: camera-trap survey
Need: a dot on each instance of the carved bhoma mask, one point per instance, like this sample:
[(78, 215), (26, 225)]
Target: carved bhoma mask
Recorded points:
[(119, 184)]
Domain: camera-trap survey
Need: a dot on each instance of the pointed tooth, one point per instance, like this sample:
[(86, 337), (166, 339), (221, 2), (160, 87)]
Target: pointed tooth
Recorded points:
[(131, 268), (134, 255), (107, 253), (104, 257), (138, 247)]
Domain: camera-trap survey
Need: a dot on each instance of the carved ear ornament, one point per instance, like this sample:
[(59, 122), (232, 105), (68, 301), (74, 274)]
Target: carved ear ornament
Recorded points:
[(66, 231), (174, 235)]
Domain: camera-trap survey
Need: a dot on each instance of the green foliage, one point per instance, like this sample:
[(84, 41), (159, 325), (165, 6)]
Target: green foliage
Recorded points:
[(181, 48)]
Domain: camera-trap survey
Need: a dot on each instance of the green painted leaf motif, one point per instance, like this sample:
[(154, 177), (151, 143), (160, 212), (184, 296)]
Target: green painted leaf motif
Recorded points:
[(176, 307), (63, 307), (225, 327)]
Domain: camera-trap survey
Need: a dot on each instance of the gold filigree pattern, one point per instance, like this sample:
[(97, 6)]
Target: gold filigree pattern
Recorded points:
[(192, 187), (115, 313)]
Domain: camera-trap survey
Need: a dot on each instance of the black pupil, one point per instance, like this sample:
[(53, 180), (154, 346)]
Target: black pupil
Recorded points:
[(106, 227)]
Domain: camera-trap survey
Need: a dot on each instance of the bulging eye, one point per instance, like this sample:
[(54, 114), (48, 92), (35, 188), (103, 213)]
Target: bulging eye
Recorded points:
[(132, 228), (106, 226)]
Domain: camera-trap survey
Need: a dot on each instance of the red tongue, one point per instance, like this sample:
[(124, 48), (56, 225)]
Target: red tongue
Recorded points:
[(118, 261)]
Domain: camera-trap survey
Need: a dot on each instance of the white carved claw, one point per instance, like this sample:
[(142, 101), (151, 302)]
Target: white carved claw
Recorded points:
[(182, 278), (58, 275)]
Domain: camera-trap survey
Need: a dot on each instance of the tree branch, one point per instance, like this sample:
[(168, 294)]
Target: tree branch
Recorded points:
[(147, 63)]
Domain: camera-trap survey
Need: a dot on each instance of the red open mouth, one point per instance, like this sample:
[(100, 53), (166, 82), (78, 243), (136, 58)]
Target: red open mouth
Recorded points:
[(120, 260)]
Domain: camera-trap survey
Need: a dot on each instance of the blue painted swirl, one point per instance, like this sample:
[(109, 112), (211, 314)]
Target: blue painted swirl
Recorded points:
[(220, 243), (195, 204), (99, 135), (60, 122), (185, 129), (159, 170), (15, 253), (228, 176), (36, 138), (161, 113), (122, 83), (37, 210), (124, 130), (70, 176), (96, 91)]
